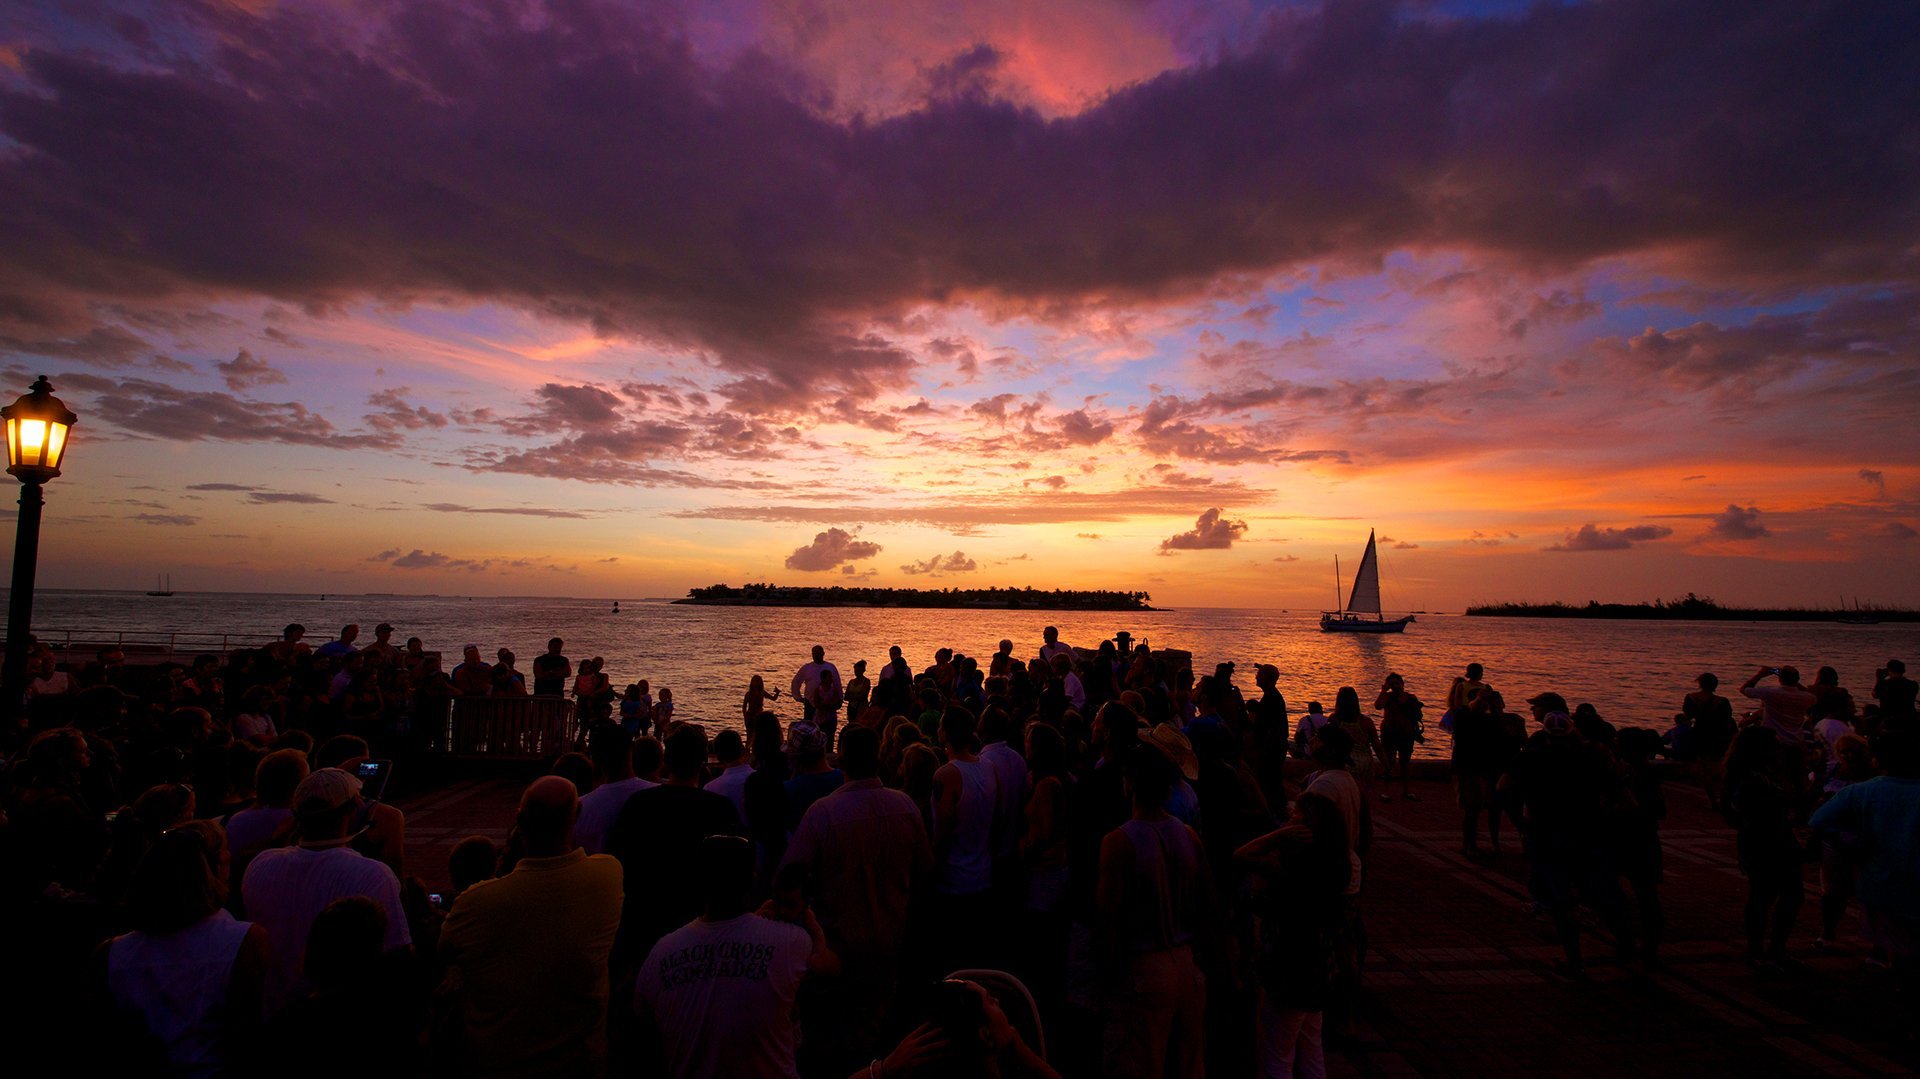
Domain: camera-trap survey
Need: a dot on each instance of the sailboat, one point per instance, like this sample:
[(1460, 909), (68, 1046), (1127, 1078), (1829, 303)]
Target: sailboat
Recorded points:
[(1364, 600), (160, 589)]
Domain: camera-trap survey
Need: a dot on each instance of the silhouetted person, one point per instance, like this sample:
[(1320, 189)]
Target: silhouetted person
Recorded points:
[(536, 1002)]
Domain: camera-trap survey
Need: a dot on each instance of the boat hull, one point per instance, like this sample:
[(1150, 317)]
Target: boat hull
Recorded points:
[(1332, 623)]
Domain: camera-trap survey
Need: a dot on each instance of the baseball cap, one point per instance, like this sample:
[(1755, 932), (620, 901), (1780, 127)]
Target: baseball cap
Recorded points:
[(325, 790), (1552, 702)]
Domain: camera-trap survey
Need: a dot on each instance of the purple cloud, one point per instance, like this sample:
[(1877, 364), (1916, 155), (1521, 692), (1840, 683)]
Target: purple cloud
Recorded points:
[(830, 549), (512, 511), (957, 562), (421, 559), (246, 371), (1734, 523), (394, 413), (1591, 537), (755, 228), (152, 408)]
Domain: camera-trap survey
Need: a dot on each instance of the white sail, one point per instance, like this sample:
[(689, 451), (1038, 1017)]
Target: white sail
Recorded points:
[(1366, 583)]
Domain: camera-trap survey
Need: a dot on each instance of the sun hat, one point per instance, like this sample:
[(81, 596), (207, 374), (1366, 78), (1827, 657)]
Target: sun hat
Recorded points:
[(1176, 748)]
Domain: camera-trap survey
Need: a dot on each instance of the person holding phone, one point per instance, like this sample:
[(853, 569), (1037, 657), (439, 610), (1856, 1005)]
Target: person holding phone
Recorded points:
[(1783, 712)]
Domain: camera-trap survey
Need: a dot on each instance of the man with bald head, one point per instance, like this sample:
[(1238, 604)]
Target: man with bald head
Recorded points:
[(526, 954)]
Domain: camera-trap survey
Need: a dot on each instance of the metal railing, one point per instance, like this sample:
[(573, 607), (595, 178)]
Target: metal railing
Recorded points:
[(509, 728), (78, 646)]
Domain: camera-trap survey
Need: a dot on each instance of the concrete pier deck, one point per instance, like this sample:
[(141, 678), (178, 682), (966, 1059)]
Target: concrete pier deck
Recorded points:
[(1458, 983)]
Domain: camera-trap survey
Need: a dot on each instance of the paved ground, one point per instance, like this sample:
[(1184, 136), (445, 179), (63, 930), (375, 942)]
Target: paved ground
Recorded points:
[(1457, 982)]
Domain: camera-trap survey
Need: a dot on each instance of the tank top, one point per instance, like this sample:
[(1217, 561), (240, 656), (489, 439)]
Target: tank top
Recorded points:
[(1362, 750), (178, 983), (1160, 903), (967, 868)]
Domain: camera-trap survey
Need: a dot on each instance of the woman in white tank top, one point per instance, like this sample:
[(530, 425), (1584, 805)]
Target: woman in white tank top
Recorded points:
[(189, 974)]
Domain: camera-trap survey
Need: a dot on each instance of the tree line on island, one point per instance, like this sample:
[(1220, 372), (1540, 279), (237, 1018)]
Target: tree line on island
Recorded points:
[(1695, 607), (1058, 599)]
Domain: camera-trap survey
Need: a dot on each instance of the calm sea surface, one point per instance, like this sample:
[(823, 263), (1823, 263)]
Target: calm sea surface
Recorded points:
[(1633, 672)]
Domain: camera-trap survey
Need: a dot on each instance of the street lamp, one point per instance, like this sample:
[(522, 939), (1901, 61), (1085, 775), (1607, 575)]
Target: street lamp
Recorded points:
[(37, 426)]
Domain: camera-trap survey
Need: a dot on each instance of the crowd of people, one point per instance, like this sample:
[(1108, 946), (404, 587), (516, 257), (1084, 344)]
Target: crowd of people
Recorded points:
[(1087, 861)]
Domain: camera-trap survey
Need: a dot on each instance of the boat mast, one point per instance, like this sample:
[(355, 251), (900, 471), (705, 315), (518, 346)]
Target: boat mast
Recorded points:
[(1339, 605), (1381, 614)]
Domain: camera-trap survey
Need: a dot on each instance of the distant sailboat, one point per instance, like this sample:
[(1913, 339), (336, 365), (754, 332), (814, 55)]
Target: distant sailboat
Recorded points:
[(1364, 600), (162, 589)]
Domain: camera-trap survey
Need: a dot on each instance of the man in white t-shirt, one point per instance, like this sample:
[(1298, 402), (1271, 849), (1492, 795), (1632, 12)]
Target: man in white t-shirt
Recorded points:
[(1009, 770), (820, 691), (719, 992), (614, 783), (1783, 707), (1783, 710), (1053, 646), (286, 888), (730, 751)]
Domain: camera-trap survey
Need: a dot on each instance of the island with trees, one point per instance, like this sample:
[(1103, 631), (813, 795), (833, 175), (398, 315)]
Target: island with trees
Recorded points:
[(1691, 607), (1032, 599)]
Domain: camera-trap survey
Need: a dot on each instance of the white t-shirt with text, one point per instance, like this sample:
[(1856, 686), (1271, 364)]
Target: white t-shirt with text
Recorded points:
[(721, 995)]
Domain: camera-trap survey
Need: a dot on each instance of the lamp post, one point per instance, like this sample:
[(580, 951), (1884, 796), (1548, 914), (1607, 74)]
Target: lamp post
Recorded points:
[(37, 427)]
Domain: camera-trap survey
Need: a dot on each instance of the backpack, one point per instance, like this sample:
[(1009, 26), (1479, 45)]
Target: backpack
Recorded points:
[(1414, 711)]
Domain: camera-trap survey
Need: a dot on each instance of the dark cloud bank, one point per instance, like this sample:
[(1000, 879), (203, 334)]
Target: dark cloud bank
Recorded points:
[(582, 162)]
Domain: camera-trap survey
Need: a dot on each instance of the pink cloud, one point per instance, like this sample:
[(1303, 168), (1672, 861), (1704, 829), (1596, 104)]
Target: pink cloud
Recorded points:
[(829, 550), (1211, 531)]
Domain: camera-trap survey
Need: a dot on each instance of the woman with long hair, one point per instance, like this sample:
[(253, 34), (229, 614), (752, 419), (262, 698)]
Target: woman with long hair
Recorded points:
[(1366, 737), (188, 976), (757, 696), (1302, 869)]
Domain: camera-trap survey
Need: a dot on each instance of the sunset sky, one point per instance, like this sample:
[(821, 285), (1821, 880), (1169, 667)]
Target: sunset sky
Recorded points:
[(1567, 300)]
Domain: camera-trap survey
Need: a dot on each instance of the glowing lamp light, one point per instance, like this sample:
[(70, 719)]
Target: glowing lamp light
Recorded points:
[(37, 426)]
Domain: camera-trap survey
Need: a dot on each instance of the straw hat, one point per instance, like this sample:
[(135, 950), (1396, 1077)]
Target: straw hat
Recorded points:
[(1176, 748)]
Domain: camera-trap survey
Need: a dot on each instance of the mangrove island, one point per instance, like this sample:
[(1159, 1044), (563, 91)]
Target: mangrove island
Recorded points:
[(1032, 599), (1695, 608)]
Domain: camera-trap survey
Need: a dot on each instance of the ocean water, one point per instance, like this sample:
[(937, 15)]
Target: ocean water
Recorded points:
[(1634, 672)]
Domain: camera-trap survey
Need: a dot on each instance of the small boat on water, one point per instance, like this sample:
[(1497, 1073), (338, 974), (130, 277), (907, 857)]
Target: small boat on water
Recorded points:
[(1363, 600), (162, 589), (616, 606)]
